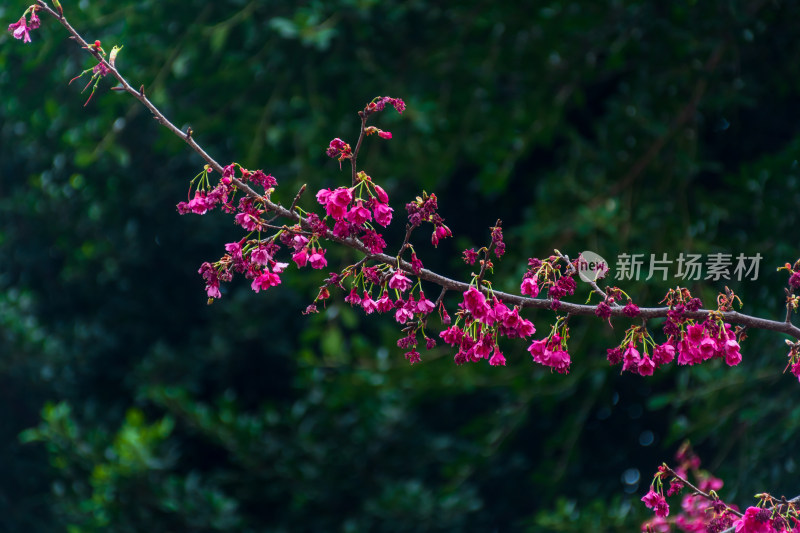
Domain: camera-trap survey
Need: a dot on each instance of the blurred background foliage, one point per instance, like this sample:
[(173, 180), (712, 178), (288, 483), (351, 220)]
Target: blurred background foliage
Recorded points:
[(615, 126)]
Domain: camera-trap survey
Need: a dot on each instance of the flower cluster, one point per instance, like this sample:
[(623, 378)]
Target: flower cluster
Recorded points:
[(222, 194), (549, 274), (423, 209), (22, 28), (691, 341), (701, 510), (253, 258), (354, 208), (379, 103), (612, 296), (338, 149), (482, 323), (762, 520), (552, 350)]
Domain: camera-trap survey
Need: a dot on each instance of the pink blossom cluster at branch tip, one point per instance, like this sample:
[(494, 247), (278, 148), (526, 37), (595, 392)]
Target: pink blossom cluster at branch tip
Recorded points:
[(380, 103), (22, 28)]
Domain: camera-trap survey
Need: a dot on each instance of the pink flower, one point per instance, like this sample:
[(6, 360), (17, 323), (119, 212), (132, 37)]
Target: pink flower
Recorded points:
[(266, 280), (234, 248), (260, 256), (497, 358), (413, 356), (35, 22), (732, 354), (373, 241), (339, 149), (631, 310), (301, 258), (381, 194), (353, 298), (198, 205), (755, 520), (707, 347), (399, 281), (299, 241), (631, 359), (525, 328), (317, 259), (537, 349), (796, 370), (470, 256), (20, 30), (385, 134), (335, 202), (384, 303), (559, 360), (688, 354), (323, 196), (358, 214), (530, 287), (424, 305), (475, 303), (653, 499), (440, 233), (452, 335), (646, 366), (416, 264), (212, 290), (695, 333), (663, 354), (499, 313), (383, 214), (403, 315), (369, 305), (342, 229)]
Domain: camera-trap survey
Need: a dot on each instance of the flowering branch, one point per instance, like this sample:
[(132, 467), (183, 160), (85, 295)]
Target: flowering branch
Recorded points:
[(770, 515), (695, 334)]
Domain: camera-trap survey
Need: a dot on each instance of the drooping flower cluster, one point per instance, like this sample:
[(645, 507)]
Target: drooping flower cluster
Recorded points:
[(480, 323), (338, 149), (207, 198), (354, 208), (22, 28), (379, 103), (254, 255), (612, 296), (552, 350), (549, 274), (691, 341)]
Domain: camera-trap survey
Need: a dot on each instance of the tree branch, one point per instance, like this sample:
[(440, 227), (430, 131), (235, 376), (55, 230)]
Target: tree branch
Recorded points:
[(446, 283)]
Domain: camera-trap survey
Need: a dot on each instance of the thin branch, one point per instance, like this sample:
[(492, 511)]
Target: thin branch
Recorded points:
[(354, 157)]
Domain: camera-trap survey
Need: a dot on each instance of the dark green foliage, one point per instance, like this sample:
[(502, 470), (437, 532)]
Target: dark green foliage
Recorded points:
[(618, 126)]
